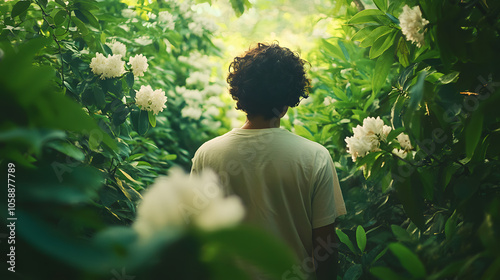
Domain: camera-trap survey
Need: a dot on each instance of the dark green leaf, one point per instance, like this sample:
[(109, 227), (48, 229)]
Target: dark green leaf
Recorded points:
[(382, 44), (384, 273), (400, 233), (354, 272), (130, 79), (19, 8), (60, 17), (152, 118), (375, 34), (473, 131), (81, 26), (417, 91), (408, 260)]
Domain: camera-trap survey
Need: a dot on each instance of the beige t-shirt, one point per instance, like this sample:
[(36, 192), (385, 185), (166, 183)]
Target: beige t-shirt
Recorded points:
[(287, 183)]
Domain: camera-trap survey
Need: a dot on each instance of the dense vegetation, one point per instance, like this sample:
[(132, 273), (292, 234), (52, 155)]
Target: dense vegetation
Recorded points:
[(403, 97)]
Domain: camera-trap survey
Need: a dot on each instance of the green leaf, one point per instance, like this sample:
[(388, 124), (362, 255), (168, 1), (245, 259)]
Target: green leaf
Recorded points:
[(400, 233), (99, 97), (239, 6), (382, 68), (381, 5), (130, 79), (264, 251), (394, 133), (354, 272), (60, 17), (449, 78), (451, 225), (385, 273), (403, 52), (473, 131), (19, 8), (375, 34), (152, 118), (363, 33), (365, 16), (361, 238), (81, 26), (408, 260), (417, 91), (345, 239), (67, 149), (382, 44), (90, 18)]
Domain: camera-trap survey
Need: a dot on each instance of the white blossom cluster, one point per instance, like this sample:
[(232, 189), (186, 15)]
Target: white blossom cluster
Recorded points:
[(139, 64), (202, 24), (113, 65), (107, 67), (367, 139), (197, 78), (118, 48), (181, 201), (167, 20), (412, 24), (151, 100)]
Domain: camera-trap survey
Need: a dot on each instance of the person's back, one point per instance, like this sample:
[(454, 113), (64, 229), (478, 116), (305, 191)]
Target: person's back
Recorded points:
[(287, 183)]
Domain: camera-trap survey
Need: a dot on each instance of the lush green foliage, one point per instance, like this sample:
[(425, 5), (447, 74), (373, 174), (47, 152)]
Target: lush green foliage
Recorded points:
[(436, 210)]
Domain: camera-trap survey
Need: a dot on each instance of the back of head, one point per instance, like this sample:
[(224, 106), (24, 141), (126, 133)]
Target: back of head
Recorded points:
[(267, 78)]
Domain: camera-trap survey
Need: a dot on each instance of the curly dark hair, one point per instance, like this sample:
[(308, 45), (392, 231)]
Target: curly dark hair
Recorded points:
[(267, 78)]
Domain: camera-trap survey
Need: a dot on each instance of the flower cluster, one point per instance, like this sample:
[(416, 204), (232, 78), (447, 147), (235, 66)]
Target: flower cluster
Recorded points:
[(118, 48), (412, 24), (139, 65), (367, 139), (180, 200), (150, 100), (107, 67), (167, 20)]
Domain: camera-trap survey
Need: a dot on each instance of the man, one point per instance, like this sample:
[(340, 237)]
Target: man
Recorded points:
[(287, 183)]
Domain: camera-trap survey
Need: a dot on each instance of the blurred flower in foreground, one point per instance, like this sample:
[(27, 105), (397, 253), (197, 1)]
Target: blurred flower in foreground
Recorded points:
[(139, 64), (181, 200), (412, 24), (107, 67), (150, 100)]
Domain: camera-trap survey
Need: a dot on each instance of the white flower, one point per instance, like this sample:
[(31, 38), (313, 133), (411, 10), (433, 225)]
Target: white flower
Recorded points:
[(385, 132), (404, 141), (358, 146), (211, 124), (213, 89), (367, 137), (139, 64), (412, 24), (191, 96), (128, 13), (167, 20), (212, 111), (191, 112), (197, 79), (373, 125), (328, 100), (196, 28), (143, 40), (118, 48), (180, 200), (150, 100), (400, 153), (151, 16), (215, 101), (98, 63), (107, 67)]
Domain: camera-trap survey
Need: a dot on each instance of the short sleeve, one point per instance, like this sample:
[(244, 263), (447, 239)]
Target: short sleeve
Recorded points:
[(327, 200)]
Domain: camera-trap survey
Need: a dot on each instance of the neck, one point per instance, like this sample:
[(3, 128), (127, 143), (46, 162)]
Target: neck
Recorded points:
[(259, 122)]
